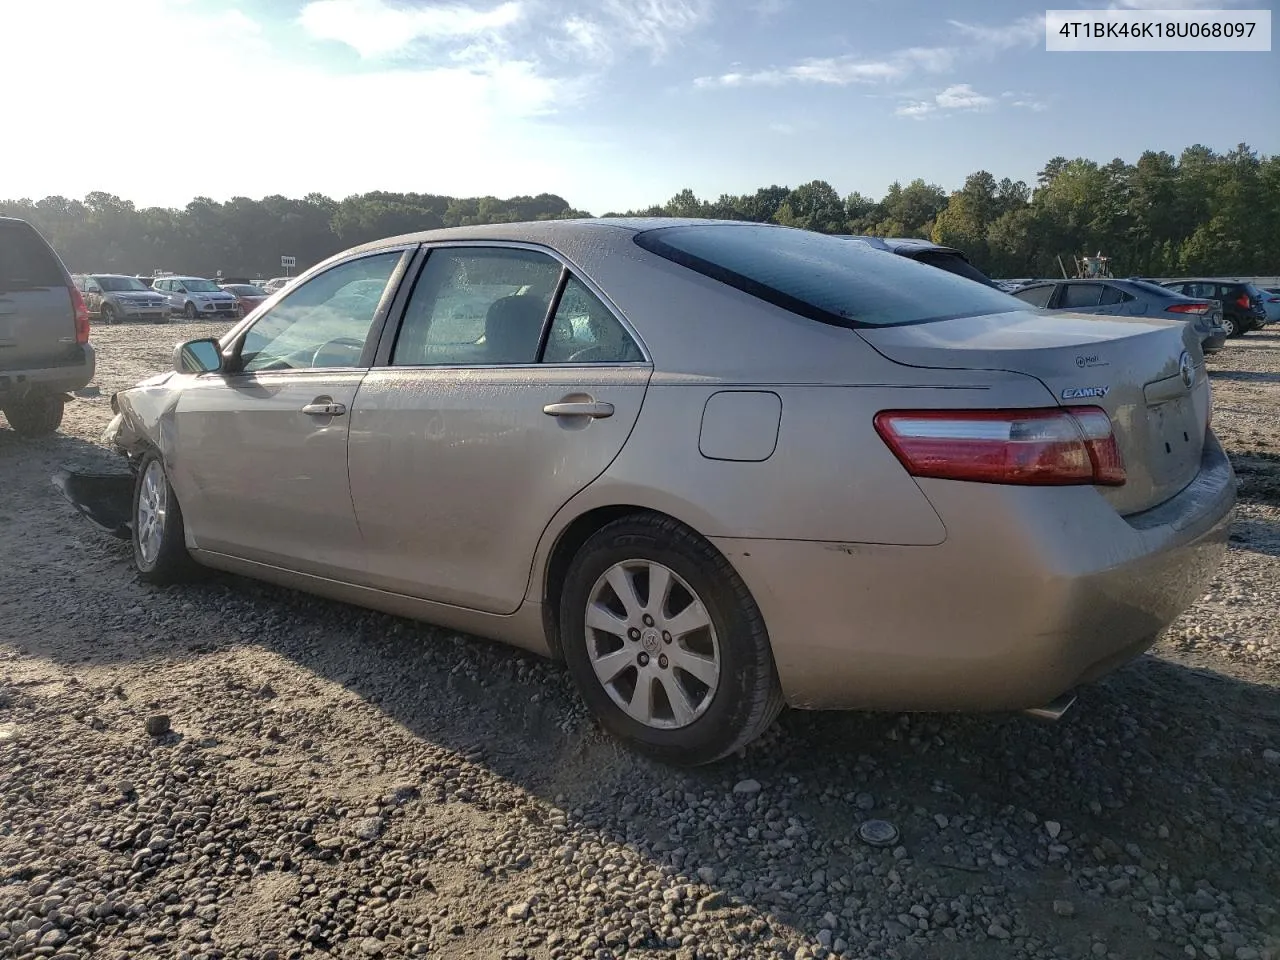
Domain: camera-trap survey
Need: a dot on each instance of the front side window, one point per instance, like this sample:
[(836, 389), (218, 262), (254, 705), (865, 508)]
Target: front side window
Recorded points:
[(822, 277), (477, 305), (324, 322), (1036, 296), (584, 331)]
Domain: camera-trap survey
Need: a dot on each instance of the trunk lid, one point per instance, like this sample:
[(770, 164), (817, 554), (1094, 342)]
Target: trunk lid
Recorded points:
[(1131, 367)]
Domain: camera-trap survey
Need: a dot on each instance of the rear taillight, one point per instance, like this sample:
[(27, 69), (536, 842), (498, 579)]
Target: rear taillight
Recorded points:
[(82, 314), (1196, 308), (1047, 447), (1243, 301)]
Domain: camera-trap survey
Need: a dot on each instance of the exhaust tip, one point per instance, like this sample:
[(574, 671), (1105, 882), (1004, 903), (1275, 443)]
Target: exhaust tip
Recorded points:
[(1052, 712)]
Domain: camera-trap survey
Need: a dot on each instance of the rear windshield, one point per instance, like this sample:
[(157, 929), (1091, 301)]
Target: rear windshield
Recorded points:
[(1155, 290), (26, 261), (953, 263), (823, 277), (244, 290)]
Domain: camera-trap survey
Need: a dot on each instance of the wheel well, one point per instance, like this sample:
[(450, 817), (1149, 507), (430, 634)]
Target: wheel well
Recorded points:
[(567, 546)]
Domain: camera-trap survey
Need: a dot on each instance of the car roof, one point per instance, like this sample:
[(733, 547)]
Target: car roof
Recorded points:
[(553, 232)]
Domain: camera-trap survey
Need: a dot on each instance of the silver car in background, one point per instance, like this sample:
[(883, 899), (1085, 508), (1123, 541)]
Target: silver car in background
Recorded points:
[(716, 467), (196, 297), (114, 297)]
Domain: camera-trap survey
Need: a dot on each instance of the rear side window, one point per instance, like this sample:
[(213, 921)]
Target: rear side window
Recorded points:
[(953, 263), (1111, 295), (1081, 295), (1036, 296), (26, 261), (822, 277)]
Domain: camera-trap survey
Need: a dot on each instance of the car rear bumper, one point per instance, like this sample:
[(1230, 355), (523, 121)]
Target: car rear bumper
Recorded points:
[(73, 375), (1034, 592)]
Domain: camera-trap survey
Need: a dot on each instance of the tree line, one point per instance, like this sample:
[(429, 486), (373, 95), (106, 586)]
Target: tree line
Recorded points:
[(1198, 213)]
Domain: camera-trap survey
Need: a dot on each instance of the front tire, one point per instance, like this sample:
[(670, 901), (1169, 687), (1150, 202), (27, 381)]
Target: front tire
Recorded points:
[(665, 643), (109, 315), (35, 415), (189, 311), (159, 535)]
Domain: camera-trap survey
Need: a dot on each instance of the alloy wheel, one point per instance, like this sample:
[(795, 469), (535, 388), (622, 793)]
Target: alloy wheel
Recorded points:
[(152, 507), (652, 645)]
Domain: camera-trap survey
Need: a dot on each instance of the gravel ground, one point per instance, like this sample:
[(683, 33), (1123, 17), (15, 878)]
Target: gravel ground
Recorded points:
[(235, 770)]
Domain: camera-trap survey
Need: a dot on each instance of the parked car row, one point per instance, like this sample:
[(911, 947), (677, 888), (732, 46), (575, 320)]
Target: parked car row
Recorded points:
[(1216, 310), (1132, 298), (112, 298), (1243, 306)]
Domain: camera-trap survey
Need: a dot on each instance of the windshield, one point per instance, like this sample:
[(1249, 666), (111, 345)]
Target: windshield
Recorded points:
[(823, 277), (201, 286), (119, 284)]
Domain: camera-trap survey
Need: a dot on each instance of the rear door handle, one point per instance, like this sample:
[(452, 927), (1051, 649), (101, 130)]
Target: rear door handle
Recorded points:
[(594, 409), (325, 409)]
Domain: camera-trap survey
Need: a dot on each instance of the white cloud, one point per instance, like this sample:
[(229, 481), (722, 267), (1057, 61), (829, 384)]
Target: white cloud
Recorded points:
[(319, 137), (658, 26), (1024, 32), (376, 28), (768, 9), (840, 71), (1176, 4), (900, 65), (958, 96), (915, 108), (961, 96)]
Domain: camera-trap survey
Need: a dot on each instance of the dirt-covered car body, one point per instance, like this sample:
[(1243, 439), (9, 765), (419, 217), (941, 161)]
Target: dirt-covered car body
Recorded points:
[(451, 477)]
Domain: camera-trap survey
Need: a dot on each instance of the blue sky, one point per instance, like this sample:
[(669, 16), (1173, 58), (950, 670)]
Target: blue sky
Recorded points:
[(610, 103)]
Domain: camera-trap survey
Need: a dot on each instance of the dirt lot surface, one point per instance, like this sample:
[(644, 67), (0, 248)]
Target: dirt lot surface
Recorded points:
[(340, 783)]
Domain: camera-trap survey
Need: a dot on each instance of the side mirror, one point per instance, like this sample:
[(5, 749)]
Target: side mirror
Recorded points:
[(198, 356)]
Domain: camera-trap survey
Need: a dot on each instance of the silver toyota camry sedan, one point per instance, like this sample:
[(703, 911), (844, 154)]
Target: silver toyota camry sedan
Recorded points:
[(718, 468)]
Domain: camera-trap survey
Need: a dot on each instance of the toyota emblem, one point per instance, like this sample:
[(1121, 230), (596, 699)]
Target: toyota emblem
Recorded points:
[(1187, 370)]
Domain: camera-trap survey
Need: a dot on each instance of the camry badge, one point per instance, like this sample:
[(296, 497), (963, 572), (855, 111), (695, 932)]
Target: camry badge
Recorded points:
[(1187, 369), (1085, 393)]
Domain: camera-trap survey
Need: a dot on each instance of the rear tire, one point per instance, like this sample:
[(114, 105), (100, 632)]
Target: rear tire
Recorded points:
[(689, 721), (35, 415), (1230, 326), (159, 535)]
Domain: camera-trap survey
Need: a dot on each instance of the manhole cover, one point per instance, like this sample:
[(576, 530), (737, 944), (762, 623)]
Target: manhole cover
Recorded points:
[(878, 833)]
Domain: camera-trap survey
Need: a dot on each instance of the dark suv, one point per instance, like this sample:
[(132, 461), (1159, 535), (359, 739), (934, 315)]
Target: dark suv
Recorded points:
[(1242, 308), (925, 251), (44, 332)]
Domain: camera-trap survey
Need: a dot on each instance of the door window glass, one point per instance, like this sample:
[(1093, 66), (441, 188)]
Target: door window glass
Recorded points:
[(324, 322), (1036, 296), (477, 306), (584, 331), (1081, 295)]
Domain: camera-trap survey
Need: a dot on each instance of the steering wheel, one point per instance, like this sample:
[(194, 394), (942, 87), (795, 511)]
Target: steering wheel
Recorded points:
[(337, 342), (597, 351)]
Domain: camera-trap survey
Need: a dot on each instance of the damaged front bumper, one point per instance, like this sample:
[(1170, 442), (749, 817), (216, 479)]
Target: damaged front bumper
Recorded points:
[(105, 498)]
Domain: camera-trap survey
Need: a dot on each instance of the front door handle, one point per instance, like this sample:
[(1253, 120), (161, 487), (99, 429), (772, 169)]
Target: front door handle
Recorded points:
[(594, 409), (330, 409)]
